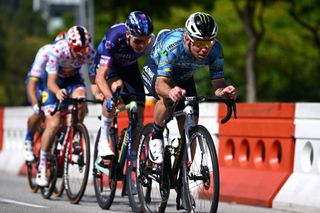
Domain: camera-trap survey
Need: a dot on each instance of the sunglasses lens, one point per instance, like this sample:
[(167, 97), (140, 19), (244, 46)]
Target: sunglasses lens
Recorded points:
[(141, 41), (203, 44), (137, 41), (77, 49), (85, 49)]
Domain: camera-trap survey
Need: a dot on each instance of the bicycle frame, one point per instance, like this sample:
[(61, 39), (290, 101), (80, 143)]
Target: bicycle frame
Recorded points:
[(69, 132), (187, 112), (126, 147)]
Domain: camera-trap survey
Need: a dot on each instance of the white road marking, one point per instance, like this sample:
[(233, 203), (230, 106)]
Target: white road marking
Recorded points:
[(21, 203)]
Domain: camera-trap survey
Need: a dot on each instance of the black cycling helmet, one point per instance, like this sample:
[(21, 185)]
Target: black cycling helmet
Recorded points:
[(202, 26), (139, 24)]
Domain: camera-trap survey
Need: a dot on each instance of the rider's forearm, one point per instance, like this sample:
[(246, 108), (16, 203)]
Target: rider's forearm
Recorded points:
[(96, 91), (218, 84), (102, 82), (52, 85), (163, 87), (32, 91)]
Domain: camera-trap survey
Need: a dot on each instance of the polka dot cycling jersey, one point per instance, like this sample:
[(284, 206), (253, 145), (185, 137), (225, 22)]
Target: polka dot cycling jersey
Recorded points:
[(39, 64), (62, 62), (175, 61)]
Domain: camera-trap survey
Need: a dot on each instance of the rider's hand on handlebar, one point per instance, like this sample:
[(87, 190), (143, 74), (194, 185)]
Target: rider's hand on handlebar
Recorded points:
[(110, 104), (61, 94), (227, 92), (176, 93)]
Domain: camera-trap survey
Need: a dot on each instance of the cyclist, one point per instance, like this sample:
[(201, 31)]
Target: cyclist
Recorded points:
[(66, 57), (116, 65), (168, 72), (35, 93)]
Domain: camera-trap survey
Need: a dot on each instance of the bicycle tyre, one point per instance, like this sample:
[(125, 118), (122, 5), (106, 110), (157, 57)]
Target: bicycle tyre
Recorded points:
[(76, 166), (105, 185), (52, 169), (131, 175), (199, 194), (148, 189), (60, 138), (32, 167)]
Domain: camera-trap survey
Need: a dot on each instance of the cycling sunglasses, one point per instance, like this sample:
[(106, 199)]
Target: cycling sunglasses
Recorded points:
[(78, 49), (202, 43), (139, 41)]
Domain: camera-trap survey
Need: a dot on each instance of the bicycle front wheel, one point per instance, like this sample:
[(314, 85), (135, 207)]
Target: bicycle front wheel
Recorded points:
[(200, 175), (104, 178), (77, 163), (131, 173), (148, 176)]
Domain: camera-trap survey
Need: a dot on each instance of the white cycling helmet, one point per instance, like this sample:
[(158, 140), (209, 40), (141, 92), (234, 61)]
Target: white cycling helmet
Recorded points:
[(201, 26), (79, 36)]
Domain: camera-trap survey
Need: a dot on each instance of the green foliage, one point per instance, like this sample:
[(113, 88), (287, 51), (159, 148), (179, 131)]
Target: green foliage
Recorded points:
[(22, 36)]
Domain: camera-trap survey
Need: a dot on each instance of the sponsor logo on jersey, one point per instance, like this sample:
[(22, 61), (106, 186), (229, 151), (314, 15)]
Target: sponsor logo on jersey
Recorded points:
[(164, 53), (173, 45)]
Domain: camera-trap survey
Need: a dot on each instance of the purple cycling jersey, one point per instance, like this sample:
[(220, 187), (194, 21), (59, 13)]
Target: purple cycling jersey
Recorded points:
[(115, 49)]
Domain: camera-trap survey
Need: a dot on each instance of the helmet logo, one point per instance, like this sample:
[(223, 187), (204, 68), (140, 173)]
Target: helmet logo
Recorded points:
[(203, 18)]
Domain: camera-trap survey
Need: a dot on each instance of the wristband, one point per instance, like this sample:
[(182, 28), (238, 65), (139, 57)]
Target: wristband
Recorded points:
[(36, 109)]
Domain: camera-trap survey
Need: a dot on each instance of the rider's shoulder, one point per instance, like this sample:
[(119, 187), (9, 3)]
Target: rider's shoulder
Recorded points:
[(217, 44), (58, 47), (44, 49), (116, 31), (173, 40)]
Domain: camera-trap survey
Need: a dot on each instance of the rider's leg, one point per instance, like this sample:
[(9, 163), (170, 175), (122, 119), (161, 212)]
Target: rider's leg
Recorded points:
[(139, 127), (104, 148), (156, 143), (33, 123), (82, 108), (47, 138)]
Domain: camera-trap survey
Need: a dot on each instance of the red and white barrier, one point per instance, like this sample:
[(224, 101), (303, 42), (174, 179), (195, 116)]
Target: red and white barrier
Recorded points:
[(301, 191)]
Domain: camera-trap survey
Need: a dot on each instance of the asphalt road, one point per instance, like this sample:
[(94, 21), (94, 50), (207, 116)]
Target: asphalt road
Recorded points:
[(15, 197)]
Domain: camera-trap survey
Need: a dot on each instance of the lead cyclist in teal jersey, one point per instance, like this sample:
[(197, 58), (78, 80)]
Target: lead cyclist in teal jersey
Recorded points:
[(168, 72)]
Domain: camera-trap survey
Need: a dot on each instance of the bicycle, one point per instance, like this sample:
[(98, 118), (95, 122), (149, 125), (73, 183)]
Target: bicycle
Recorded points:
[(69, 158), (32, 166), (190, 164), (122, 166)]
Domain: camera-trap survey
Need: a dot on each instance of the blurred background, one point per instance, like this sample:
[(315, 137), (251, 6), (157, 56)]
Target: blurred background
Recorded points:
[(271, 48)]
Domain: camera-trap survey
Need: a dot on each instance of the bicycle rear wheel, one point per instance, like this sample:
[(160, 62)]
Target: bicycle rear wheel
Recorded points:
[(148, 176), (201, 182), (32, 167), (77, 163), (104, 179), (52, 172)]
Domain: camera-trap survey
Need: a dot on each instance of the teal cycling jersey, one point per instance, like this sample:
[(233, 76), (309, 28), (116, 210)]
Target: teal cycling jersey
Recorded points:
[(176, 62)]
